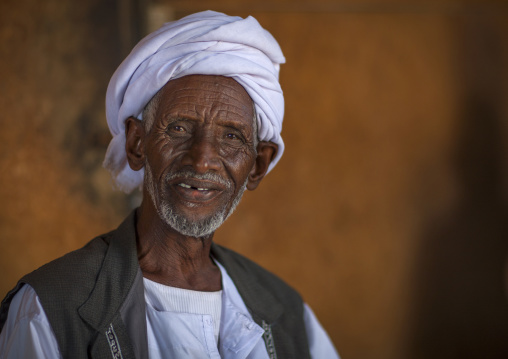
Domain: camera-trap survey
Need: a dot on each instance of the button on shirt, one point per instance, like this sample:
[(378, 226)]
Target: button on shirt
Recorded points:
[(174, 330)]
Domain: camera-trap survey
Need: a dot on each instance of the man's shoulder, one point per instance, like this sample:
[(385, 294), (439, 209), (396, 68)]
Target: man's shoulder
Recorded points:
[(61, 280), (80, 262), (84, 262), (68, 280)]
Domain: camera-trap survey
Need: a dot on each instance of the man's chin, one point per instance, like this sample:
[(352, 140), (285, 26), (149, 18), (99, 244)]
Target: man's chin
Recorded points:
[(192, 227)]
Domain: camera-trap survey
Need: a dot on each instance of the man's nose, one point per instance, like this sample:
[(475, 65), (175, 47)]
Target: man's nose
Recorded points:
[(203, 153)]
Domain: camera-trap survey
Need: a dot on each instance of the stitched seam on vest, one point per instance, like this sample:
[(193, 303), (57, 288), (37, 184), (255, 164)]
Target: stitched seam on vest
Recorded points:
[(268, 337), (116, 352)]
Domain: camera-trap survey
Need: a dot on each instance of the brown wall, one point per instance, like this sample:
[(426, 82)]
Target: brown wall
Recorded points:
[(388, 211)]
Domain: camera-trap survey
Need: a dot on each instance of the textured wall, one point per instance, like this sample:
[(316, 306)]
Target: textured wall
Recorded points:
[(388, 210), (56, 58)]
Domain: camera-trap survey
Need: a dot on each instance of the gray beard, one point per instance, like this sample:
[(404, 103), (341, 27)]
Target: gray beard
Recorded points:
[(178, 221)]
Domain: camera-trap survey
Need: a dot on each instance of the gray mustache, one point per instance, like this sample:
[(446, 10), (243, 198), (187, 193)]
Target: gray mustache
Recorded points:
[(207, 176)]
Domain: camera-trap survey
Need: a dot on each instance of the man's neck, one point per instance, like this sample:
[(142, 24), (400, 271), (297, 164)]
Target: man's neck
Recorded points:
[(170, 258)]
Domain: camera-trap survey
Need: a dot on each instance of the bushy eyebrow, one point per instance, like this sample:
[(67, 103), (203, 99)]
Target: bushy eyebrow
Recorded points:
[(171, 117)]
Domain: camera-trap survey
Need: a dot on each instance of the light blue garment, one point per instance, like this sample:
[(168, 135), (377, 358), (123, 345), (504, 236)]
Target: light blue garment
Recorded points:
[(27, 333)]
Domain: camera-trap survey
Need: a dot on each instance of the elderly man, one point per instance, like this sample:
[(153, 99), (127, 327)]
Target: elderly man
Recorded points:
[(196, 113)]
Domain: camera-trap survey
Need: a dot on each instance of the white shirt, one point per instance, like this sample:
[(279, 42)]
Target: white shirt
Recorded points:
[(171, 334)]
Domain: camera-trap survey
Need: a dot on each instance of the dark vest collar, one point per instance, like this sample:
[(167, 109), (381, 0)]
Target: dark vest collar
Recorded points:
[(262, 304), (116, 277)]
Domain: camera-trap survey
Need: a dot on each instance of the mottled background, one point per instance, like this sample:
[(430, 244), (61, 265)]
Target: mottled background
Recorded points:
[(388, 211)]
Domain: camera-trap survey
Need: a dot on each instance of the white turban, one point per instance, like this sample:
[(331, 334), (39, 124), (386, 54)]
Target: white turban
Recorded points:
[(206, 43)]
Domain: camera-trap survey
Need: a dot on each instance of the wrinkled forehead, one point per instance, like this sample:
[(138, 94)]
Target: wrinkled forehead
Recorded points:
[(211, 95)]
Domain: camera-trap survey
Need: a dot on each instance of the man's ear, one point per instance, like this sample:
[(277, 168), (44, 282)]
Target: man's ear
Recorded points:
[(266, 154), (135, 143)]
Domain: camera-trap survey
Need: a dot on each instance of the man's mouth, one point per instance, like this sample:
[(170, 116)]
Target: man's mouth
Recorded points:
[(201, 189), (193, 190), (198, 188), (199, 184)]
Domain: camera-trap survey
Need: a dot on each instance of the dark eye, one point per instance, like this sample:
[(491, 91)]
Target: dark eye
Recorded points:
[(177, 128), (235, 137)]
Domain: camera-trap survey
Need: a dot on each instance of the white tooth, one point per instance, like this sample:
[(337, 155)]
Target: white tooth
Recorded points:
[(202, 189), (184, 185)]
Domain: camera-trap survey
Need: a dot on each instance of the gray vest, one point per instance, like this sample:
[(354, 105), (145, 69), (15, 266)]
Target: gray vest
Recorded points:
[(94, 300)]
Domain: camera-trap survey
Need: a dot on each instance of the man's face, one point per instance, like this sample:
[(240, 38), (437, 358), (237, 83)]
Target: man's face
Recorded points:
[(199, 152)]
